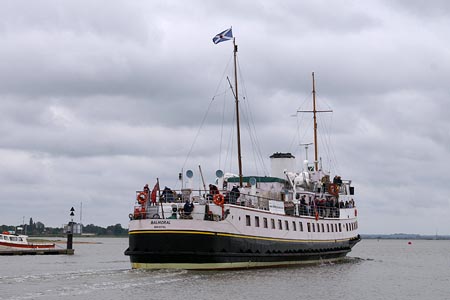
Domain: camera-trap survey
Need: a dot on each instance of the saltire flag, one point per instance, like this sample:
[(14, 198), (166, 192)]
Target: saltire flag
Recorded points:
[(153, 194), (223, 36)]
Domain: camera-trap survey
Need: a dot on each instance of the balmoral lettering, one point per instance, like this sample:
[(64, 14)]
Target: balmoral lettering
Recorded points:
[(160, 222)]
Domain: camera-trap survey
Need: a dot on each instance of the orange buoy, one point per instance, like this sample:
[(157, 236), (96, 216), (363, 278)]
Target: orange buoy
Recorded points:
[(219, 199), (333, 189), (142, 198)]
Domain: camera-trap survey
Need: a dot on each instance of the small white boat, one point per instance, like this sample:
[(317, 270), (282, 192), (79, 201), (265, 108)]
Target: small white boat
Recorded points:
[(10, 240)]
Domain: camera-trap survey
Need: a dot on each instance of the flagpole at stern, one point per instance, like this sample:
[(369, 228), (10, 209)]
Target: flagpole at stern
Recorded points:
[(237, 114)]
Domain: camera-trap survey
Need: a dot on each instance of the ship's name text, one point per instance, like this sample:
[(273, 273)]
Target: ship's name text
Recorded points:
[(160, 222)]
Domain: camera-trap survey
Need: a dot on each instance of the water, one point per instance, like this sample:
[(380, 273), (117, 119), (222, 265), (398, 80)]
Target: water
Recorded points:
[(384, 269)]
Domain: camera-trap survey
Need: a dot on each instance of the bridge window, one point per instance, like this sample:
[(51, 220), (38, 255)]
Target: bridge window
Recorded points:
[(257, 221), (272, 222), (294, 225), (286, 225), (301, 225), (265, 222), (279, 225)]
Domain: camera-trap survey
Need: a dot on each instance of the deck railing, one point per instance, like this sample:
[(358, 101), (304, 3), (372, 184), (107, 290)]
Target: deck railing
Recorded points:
[(153, 210)]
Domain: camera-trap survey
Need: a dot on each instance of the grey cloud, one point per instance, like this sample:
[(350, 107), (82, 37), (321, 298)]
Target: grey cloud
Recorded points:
[(99, 98)]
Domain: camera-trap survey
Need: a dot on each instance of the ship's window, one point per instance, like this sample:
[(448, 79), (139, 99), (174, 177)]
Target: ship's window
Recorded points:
[(335, 228), (328, 227), (346, 226), (294, 225), (247, 220), (323, 228), (309, 226), (301, 225), (6, 238), (265, 222), (318, 227), (13, 238), (20, 239), (314, 227), (279, 225), (286, 224), (340, 228), (332, 228), (257, 221), (272, 223)]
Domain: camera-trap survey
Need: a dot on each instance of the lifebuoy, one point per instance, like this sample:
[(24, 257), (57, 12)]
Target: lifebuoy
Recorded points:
[(219, 199), (142, 198), (333, 189)]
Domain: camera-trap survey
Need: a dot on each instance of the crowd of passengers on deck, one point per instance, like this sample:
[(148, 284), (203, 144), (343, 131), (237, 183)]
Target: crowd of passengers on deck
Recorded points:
[(326, 207), (306, 206)]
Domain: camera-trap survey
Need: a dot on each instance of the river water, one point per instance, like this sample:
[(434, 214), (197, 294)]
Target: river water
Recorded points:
[(375, 269)]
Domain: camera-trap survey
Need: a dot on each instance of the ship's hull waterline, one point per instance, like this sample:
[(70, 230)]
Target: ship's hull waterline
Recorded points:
[(161, 249)]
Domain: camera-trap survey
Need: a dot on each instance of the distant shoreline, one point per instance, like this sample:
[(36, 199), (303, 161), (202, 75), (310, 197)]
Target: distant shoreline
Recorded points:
[(404, 236)]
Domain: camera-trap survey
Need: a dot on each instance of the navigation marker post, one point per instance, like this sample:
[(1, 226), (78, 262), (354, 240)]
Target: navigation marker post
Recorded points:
[(70, 230)]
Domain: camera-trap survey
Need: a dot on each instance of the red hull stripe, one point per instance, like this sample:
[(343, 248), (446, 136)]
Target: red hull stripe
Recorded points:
[(27, 246)]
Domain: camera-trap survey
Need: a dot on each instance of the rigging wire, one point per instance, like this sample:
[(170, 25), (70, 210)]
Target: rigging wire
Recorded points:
[(257, 154), (300, 120), (207, 112)]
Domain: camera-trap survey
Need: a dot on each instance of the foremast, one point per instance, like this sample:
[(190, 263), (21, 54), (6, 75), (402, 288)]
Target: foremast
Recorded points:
[(238, 128)]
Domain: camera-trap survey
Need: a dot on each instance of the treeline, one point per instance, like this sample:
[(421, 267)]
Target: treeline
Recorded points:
[(39, 228), (115, 230)]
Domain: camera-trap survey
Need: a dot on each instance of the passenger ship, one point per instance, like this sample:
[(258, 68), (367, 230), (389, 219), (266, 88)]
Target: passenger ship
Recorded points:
[(291, 217)]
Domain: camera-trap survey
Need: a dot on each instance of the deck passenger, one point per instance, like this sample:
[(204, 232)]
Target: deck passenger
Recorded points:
[(213, 190), (188, 208), (303, 205), (234, 194), (167, 195)]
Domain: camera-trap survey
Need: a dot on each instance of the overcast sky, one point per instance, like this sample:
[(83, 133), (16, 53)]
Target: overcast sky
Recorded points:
[(98, 98)]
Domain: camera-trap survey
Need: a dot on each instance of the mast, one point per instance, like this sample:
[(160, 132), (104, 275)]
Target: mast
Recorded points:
[(315, 111), (316, 151), (237, 114)]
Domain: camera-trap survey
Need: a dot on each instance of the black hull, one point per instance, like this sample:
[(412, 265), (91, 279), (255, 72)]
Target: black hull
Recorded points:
[(206, 250)]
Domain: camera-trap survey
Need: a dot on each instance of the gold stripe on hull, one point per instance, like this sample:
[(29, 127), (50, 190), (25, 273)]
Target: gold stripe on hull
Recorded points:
[(234, 265)]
